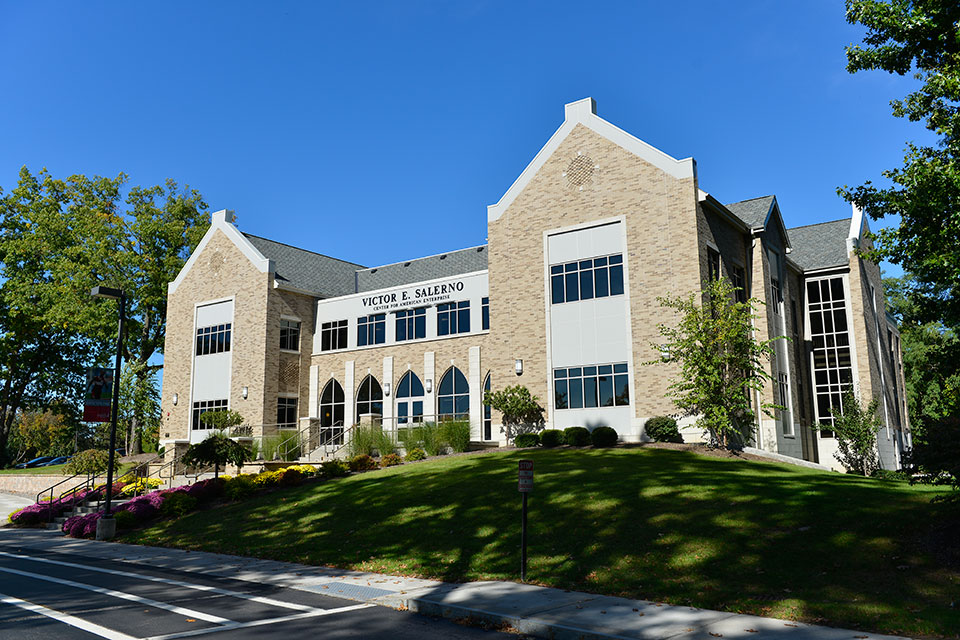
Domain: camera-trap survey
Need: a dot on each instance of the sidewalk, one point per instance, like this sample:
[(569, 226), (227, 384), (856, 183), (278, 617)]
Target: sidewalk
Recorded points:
[(537, 611), (10, 502)]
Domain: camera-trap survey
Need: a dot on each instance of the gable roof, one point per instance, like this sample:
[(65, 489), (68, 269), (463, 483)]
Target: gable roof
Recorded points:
[(452, 263), (819, 246), (306, 270), (754, 212)]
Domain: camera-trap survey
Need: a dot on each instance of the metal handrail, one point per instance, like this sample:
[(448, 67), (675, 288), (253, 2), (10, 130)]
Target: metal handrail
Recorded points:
[(309, 429), (51, 488)]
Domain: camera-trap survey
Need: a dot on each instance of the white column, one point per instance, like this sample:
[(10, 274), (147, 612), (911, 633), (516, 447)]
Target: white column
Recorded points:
[(475, 378), (429, 373), (349, 388)]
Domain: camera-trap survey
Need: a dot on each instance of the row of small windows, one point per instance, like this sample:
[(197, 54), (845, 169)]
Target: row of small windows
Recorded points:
[(213, 339), (605, 385), (203, 406), (587, 279), (411, 324), (286, 412), (453, 399)]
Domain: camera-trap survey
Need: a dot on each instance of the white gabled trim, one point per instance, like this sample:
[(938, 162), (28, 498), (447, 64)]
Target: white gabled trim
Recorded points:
[(585, 112), (856, 228), (223, 220)]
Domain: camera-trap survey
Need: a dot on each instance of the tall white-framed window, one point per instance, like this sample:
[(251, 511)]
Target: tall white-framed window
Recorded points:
[(289, 335), (369, 397), (487, 413), (831, 362), (203, 406), (453, 396), (286, 412), (332, 407), (783, 399), (409, 399)]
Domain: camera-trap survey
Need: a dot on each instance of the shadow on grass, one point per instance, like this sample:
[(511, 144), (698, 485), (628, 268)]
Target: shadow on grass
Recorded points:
[(652, 524)]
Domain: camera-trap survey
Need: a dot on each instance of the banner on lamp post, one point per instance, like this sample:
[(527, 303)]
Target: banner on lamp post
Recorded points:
[(97, 399)]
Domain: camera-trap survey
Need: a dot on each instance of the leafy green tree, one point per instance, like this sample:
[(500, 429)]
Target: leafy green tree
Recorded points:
[(521, 410), (59, 238), (721, 363), (222, 419), (930, 353), (855, 429), (938, 456), (919, 37), (140, 413), (45, 433), (92, 462), (216, 449)]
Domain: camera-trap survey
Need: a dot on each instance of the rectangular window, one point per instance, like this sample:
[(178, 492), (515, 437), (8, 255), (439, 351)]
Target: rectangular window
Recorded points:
[(453, 318), (215, 339), (783, 392), (411, 324), (287, 413), (290, 335), (830, 343), (333, 335), (372, 329), (605, 385), (485, 313), (586, 279), (740, 283), (203, 406), (713, 265)]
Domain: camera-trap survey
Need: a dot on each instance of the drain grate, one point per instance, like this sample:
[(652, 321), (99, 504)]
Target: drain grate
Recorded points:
[(348, 591)]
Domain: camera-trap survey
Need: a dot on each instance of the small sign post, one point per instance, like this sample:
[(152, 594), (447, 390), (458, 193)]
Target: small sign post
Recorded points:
[(525, 486)]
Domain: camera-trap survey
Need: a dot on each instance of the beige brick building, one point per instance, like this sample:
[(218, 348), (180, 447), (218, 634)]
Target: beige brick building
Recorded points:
[(562, 299)]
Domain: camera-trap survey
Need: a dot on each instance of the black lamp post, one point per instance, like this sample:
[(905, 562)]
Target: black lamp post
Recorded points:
[(115, 294)]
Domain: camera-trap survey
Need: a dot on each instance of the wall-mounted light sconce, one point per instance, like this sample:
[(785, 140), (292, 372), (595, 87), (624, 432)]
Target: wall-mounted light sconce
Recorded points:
[(518, 366), (386, 388), (176, 398), (245, 392), (428, 383)]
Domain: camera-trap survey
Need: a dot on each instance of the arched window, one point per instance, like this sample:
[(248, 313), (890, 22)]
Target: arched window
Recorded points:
[(487, 414), (409, 399), (453, 396), (331, 413), (369, 397)]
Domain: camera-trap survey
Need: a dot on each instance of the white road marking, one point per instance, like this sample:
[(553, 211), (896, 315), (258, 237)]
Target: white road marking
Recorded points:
[(190, 613), (59, 616), (167, 581), (257, 623)]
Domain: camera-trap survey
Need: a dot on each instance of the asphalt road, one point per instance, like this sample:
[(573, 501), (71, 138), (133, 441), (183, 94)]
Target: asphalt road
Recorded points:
[(66, 596)]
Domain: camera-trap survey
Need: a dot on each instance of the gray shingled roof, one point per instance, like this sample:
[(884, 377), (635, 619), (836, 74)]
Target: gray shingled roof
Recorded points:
[(448, 264), (818, 246), (309, 271), (753, 212)]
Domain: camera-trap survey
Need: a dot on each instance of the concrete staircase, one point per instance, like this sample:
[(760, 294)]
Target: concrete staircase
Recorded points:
[(79, 510)]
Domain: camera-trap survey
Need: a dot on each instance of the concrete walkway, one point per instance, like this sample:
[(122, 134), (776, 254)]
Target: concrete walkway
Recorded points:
[(537, 611), (9, 503)]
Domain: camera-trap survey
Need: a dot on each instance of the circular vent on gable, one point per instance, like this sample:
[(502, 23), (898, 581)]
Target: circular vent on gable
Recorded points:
[(580, 171)]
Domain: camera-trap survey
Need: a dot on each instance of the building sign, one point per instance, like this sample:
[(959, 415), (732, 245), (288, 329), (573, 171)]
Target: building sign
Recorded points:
[(96, 402), (525, 471), (413, 297)]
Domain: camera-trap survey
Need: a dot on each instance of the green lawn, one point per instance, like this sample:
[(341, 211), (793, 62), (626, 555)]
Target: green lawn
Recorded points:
[(645, 523), (55, 470)]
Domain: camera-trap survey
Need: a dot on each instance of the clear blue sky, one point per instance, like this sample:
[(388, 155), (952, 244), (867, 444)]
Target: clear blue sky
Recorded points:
[(377, 132)]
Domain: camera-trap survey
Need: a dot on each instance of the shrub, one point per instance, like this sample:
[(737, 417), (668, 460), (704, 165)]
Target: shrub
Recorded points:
[(526, 440), (178, 504), (92, 462), (144, 507), (521, 411), (431, 438), (124, 519), (889, 474), (241, 487), (266, 478), (142, 485), (456, 433), (551, 438), (216, 449), (305, 469), (363, 462), (366, 439), (576, 436), (415, 454), (334, 469), (663, 429), (290, 477), (603, 437), (855, 429), (390, 460)]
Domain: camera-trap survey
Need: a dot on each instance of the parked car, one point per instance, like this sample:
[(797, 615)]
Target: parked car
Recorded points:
[(36, 462), (57, 460)]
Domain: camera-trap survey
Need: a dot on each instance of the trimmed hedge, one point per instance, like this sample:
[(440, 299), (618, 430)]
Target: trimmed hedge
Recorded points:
[(576, 436), (415, 454), (551, 438), (525, 440), (604, 437), (390, 460), (663, 429)]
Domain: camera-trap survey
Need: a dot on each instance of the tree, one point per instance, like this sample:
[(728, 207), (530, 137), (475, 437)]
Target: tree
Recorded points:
[(216, 449), (720, 361), (521, 410), (855, 429), (59, 238), (918, 36), (939, 456), (222, 419), (139, 405), (45, 433), (92, 462)]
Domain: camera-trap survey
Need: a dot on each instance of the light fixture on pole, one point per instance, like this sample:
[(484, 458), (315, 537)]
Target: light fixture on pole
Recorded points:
[(107, 526)]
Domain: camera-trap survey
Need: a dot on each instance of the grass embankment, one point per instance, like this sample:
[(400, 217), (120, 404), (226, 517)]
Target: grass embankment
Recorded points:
[(654, 524)]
